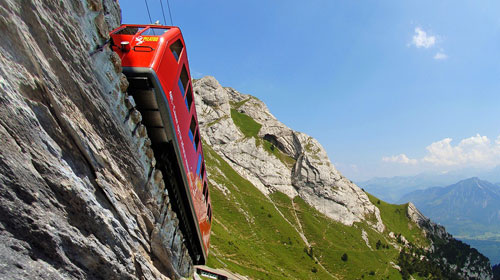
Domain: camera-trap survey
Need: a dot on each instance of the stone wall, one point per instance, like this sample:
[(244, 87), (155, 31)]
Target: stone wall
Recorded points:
[(79, 195)]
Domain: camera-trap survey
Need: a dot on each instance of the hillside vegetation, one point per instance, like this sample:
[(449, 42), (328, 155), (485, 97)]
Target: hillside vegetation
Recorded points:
[(260, 236)]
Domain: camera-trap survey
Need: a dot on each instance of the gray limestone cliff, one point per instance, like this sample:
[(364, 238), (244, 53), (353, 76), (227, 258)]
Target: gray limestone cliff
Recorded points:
[(293, 162), (79, 194)]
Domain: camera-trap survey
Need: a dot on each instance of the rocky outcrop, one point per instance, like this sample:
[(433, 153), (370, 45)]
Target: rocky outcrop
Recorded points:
[(299, 166), (430, 228), (458, 257), (79, 197)]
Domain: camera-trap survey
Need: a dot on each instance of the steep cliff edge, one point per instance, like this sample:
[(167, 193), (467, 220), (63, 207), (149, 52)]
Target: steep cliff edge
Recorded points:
[(80, 197)]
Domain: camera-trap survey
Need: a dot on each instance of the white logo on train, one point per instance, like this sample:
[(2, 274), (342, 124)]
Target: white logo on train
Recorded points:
[(139, 40)]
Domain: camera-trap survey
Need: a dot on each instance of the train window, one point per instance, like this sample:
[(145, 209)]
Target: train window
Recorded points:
[(192, 131), (202, 169), (155, 31), (176, 49), (184, 79), (129, 30), (181, 86), (196, 141), (189, 97), (199, 165), (205, 194), (209, 213), (192, 126)]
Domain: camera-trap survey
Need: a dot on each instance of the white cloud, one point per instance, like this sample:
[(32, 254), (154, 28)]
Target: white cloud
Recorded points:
[(440, 56), (401, 158), (422, 40), (476, 151)]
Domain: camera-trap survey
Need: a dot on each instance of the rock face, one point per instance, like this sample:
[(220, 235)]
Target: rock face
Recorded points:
[(79, 197), (295, 164)]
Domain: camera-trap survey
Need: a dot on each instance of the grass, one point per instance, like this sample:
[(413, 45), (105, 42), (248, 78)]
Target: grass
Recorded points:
[(395, 219), (250, 236), (331, 240), (237, 105), (273, 150), (216, 121), (248, 126)]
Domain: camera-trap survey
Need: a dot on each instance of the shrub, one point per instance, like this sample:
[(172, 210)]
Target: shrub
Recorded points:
[(344, 257)]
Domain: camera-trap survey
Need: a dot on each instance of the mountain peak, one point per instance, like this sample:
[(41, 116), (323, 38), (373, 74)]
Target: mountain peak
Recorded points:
[(274, 157), (472, 180)]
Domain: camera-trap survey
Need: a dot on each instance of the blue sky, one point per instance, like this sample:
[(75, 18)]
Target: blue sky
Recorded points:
[(388, 87)]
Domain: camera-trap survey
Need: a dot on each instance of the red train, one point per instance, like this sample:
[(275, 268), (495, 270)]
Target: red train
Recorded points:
[(154, 59)]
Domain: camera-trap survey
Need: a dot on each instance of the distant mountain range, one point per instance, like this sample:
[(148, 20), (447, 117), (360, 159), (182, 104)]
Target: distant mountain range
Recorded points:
[(394, 188), (469, 209)]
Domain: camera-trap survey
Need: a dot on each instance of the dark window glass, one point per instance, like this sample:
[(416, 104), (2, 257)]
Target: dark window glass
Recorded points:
[(192, 126), (176, 49), (189, 97), (155, 31), (129, 30), (193, 133), (184, 79), (209, 213), (197, 141), (205, 189), (202, 169)]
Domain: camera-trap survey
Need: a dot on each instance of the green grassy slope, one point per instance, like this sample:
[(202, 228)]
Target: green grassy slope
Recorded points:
[(258, 236), (249, 236), (277, 237), (395, 220)]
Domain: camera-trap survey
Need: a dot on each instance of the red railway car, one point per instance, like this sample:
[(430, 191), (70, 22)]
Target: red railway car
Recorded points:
[(154, 59)]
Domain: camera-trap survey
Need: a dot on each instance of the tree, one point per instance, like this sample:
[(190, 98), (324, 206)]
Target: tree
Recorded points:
[(378, 244)]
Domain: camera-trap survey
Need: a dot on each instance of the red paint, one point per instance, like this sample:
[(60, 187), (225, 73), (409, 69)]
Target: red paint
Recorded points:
[(153, 51)]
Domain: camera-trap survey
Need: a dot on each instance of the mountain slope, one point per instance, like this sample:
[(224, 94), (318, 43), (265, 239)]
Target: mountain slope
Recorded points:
[(392, 189), (470, 209), (276, 237), (471, 202), (282, 210)]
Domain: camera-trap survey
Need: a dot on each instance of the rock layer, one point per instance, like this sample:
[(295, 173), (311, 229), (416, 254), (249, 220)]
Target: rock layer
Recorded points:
[(309, 172), (79, 197)]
